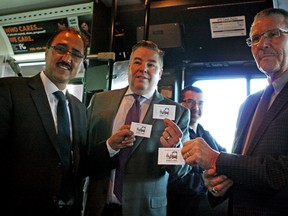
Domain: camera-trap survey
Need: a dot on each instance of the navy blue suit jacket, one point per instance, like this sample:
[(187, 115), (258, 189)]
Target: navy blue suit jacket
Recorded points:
[(261, 176)]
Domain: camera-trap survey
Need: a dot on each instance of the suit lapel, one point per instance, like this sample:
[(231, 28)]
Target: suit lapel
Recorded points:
[(245, 117), (280, 101), (39, 97), (115, 101)]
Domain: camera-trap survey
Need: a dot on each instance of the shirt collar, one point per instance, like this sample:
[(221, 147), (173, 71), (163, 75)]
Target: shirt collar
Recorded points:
[(279, 83), (146, 96), (49, 86)]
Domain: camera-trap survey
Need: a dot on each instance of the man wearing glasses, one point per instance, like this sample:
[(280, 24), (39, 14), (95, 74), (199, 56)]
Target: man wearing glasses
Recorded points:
[(255, 176), (38, 175), (188, 196)]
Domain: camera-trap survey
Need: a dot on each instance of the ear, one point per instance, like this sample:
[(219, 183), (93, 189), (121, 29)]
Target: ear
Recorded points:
[(46, 51), (160, 73)]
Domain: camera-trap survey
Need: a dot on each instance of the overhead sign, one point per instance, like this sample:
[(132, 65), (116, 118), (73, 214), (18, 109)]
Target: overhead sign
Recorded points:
[(32, 37), (228, 27)]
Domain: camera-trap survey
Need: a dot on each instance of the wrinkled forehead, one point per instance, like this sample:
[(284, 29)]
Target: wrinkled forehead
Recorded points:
[(265, 23)]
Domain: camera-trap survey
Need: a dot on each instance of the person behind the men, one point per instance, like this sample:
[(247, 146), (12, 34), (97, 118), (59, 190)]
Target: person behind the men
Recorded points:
[(255, 175), (32, 164), (188, 195), (144, 182), (86, 32)]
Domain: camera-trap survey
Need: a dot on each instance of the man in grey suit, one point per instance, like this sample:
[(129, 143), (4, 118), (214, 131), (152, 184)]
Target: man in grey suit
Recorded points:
[(145, 181), (255, 175), (32, 160)]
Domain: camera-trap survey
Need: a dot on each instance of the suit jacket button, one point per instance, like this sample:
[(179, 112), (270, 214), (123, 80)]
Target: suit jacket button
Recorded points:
[(54, 198)]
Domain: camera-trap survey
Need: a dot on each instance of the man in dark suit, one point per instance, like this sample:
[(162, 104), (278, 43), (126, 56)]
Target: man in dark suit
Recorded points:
[(32, 162), (255, 175), (145, 181), (188, 195)]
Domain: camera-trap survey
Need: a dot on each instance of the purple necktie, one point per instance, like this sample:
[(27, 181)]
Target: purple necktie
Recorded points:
[(133, 115), (259, 115)]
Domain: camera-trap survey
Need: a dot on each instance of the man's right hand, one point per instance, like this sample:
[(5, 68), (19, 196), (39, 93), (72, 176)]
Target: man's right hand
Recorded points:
[(123, 138)]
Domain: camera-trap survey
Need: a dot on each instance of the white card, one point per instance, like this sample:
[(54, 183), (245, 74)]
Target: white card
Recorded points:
[(161, 111), (142, 130), (170, 156)]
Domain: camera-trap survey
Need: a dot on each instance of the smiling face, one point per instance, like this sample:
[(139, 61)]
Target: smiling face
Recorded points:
[(271, 55), (196, 108), (144, 70), (61, 68)]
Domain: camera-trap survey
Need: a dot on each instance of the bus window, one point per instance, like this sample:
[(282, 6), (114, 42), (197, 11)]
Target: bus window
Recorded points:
[(222, 98)]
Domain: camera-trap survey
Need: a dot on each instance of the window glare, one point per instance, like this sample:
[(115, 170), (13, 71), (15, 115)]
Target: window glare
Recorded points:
[(257, 84), (222, 100)]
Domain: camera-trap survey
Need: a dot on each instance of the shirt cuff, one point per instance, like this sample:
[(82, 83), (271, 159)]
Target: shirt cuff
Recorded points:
[(111, 151)]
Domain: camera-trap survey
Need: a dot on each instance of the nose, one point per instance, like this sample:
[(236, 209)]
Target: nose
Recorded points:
[(264, 41), (67, 57), (143, 68)]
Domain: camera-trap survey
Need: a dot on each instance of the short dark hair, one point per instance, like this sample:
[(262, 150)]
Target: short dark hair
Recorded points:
[(273, 11), (72, 30), (189, 88), (150, 45)]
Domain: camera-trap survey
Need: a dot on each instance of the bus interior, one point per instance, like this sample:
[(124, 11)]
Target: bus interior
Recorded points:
[(204, 44)]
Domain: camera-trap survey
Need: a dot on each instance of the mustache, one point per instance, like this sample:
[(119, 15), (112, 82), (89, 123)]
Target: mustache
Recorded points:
[(64, 64)]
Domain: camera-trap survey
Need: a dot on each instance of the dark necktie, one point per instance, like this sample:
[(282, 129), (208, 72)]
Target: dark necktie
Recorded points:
[(64, 142), (133, 115), (259, 115)]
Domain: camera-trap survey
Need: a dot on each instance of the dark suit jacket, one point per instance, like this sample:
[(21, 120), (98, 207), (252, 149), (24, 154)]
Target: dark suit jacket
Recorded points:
[(30, 161), (145, 182), (261, 176)]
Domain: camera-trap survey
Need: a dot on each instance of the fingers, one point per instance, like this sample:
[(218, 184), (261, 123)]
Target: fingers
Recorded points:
[(173, 128), (216, 184), (171, 135), (197, 151), (169, 139), (121, 139), (221, 189)]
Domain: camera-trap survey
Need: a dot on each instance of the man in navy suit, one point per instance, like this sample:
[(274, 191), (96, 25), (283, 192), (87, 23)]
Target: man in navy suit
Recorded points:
[(31, 158), (188, 195), (255, 176)]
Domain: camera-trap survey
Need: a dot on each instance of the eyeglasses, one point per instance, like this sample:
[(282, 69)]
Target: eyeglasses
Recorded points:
[(63, 50), (192, 102), (255, 39)]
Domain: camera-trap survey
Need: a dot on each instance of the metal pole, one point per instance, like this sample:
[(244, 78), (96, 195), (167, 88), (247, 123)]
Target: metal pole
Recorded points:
[(111, 45), (147, 20)]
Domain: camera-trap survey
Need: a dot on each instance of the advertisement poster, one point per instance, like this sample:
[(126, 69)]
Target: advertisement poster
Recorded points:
[(32, 37)]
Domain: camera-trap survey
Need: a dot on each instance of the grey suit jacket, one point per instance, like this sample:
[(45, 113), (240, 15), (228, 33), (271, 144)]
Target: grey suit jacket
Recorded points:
[(145, 182), (30, 158), (261, 176)]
